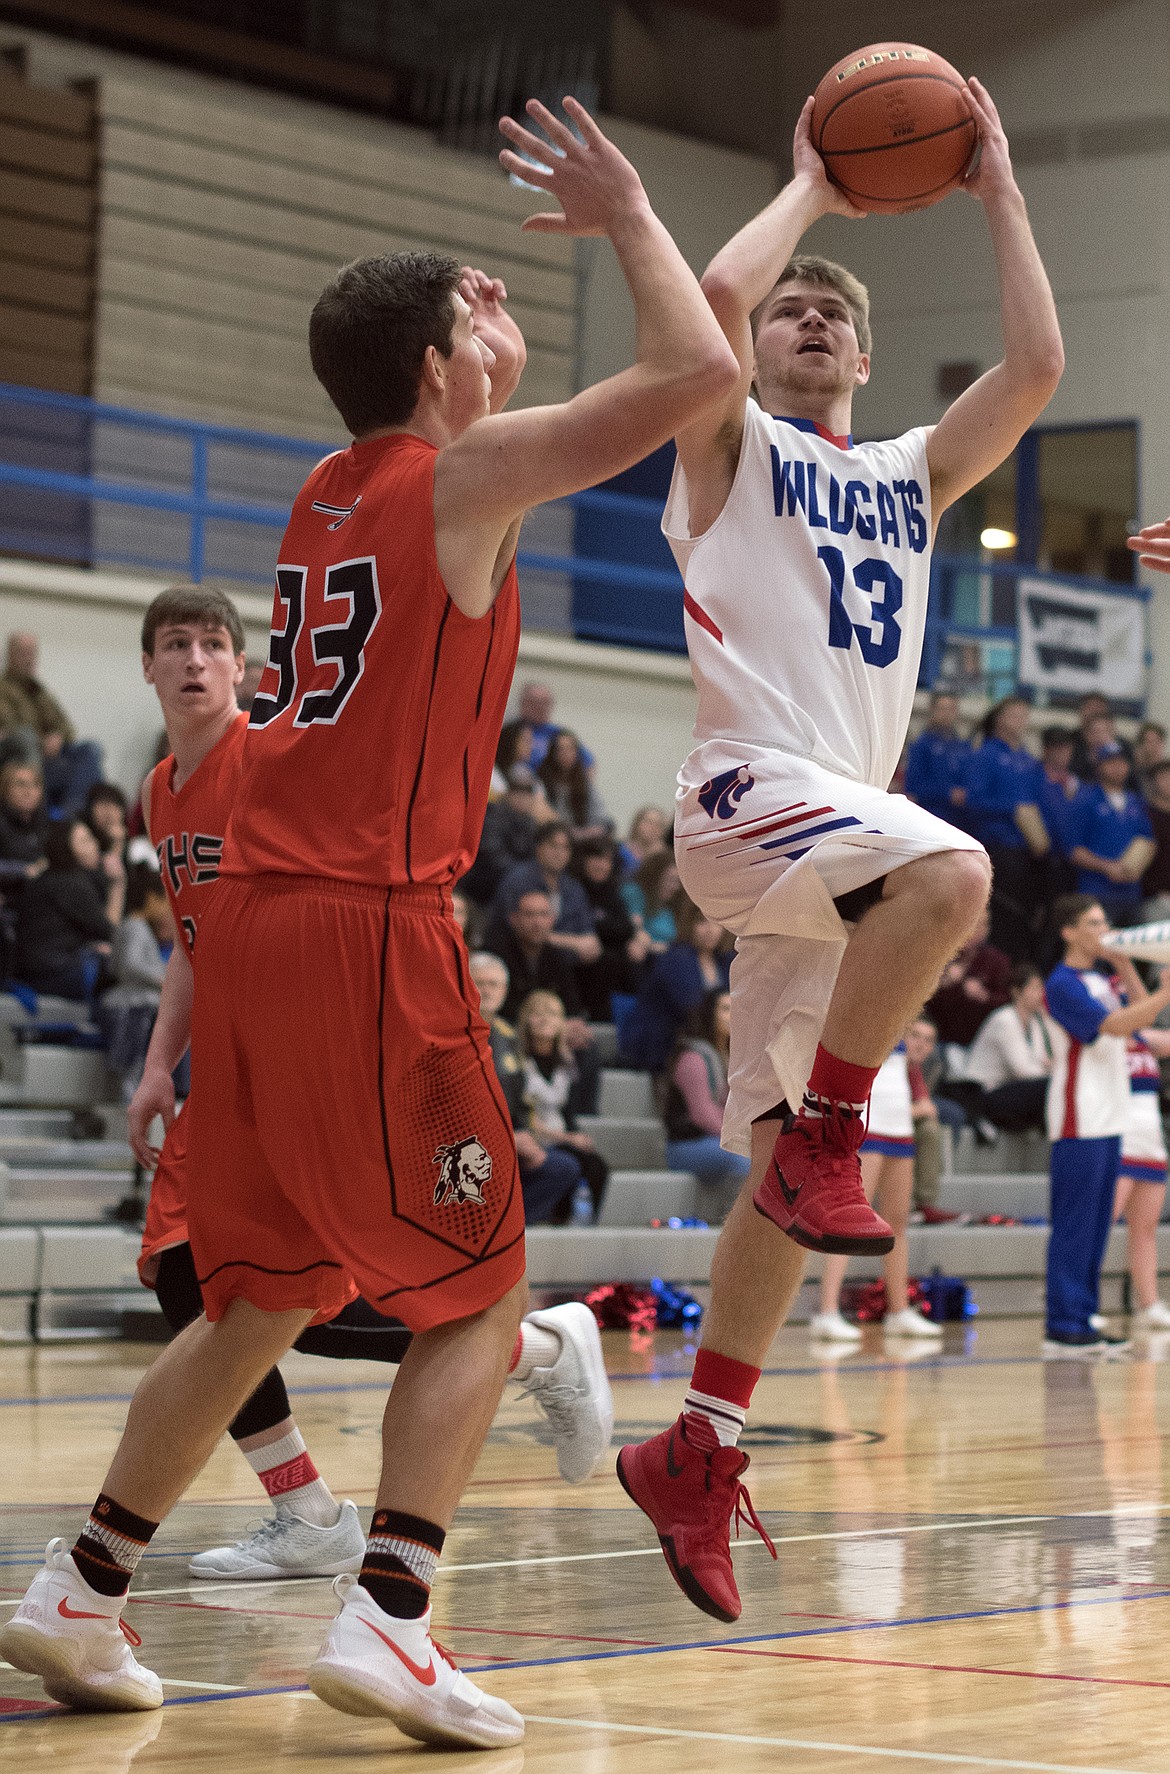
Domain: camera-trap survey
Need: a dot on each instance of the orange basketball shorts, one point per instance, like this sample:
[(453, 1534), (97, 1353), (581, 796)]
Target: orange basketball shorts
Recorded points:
[(347, 1129), (166, 1212)]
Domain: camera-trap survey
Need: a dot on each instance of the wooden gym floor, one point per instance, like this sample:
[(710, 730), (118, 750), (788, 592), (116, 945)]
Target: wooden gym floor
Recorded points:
[(973, 1573)]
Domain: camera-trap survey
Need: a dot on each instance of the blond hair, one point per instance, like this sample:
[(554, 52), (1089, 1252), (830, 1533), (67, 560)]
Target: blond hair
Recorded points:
[(826, 274)]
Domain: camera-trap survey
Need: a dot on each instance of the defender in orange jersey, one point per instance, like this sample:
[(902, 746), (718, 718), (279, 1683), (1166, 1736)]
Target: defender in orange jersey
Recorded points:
[(193, 656), (347, 1127)]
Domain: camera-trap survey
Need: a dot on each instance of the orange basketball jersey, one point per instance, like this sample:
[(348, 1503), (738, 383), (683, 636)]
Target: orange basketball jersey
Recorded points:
[(373, 734), (187, 828)]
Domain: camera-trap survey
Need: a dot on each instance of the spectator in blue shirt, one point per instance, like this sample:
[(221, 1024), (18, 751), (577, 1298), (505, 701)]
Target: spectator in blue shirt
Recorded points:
[(1112, 838), (1003, 788), (1057, 795), (677, 983), (935, 761)]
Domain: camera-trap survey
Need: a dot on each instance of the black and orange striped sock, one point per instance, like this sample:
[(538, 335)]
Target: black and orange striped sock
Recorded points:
[(110, 1545), (399, 1567)]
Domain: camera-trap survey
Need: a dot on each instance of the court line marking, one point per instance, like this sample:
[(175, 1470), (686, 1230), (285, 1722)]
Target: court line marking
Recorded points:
[(857, 1749), (930, 1364), (1032, 1675), (748, 1639), (574, 1558)]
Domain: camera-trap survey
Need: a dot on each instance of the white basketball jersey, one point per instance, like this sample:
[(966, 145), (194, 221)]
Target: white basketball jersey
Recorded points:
[(806, 599)]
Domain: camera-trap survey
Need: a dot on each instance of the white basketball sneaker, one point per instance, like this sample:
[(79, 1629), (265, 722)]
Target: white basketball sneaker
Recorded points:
[(76, 1641), (909, 1322), (286, 1546), (832, 1327), (574, 1392), (1151, 1318), (378, 1666)]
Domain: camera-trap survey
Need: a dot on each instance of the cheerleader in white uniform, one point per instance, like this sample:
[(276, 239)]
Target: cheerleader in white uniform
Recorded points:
[(1141, 1187)]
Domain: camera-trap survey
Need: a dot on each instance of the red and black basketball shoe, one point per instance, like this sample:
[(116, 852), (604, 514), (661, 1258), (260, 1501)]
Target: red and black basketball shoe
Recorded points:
[(812, 1189), (692, 1495)]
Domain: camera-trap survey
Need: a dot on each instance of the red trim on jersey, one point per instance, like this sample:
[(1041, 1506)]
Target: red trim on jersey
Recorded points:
[(1068, 1129), (699, 615)]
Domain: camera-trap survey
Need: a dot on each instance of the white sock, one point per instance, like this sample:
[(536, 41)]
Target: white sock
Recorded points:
[(285, 1468), (538, 1348), (727, 1420)]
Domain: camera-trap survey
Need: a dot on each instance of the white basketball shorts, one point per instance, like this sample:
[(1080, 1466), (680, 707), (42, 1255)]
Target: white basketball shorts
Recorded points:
[(765, 842), (1143, 1144)]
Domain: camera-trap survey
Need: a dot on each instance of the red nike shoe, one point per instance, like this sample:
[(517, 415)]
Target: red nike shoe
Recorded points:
[(812, 1189), (691, 1496)]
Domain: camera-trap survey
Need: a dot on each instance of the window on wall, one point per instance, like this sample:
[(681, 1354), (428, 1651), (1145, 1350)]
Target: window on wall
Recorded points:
[(1064, 500)]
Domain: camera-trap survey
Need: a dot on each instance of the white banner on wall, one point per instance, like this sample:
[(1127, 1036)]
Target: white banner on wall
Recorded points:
[(1075, 640)]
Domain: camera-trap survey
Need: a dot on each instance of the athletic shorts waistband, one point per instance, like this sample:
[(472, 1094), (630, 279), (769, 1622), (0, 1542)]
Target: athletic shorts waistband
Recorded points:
[(408, 898)]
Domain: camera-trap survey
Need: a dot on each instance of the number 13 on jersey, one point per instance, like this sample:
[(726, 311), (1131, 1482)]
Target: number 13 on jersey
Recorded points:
[(876, 578)]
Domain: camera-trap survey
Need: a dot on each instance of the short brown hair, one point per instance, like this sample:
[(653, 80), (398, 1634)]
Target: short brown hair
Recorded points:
[(1070, 908), (203, 605), (827, 274), (369, 332)]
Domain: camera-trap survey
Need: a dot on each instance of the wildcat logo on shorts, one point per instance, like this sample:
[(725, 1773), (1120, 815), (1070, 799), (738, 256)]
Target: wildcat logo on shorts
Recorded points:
[(720, 796), (466, 1165)]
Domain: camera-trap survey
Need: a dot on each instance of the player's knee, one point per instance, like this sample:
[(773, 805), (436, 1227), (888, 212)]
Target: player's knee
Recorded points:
[(951, 889)]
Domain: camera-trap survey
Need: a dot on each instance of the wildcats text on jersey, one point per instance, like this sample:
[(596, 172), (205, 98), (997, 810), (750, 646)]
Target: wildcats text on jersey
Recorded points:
[(852, 507)]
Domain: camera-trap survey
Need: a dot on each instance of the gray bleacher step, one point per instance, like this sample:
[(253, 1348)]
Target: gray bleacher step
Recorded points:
[(1011, 1152), (626, 1093), (37, 1124), (1021, 1195), (581, 1256), (56, 1154), (627, 1142), (37, 1196), (605, 1041), (634, 1197)]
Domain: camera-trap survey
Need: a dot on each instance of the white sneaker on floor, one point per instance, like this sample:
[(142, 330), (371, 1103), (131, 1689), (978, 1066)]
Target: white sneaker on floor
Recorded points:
[(1099, 1322), (378, 1666), (830, 1327), (1152, 1318), (286, 1546), (910, 1322), (77, 1642), (574, 1392)]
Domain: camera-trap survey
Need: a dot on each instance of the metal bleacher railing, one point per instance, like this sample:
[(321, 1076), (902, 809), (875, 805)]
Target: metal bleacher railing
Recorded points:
[(89, 483)]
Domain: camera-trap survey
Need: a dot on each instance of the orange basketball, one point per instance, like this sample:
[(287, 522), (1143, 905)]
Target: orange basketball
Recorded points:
[(892, 127)]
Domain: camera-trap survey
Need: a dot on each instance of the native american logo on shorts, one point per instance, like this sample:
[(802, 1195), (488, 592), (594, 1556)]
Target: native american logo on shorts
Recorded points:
[(721, 795), (466, 1165)]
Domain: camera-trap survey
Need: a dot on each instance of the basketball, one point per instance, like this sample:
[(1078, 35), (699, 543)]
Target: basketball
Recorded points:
[(892, 127)]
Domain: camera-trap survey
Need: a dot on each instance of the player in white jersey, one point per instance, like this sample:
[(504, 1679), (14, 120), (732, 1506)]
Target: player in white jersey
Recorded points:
[(806, 564), (1141, 1187)]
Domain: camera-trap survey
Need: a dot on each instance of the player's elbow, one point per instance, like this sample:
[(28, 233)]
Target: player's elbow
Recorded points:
[(711, 373)]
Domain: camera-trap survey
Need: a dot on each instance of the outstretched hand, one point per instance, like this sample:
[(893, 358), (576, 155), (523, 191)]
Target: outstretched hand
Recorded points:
[(592, 180), (1152, 546), (808, 166), (991, 172)]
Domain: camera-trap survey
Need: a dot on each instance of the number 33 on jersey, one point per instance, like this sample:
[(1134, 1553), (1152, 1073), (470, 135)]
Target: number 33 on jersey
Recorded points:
[(365, 757), (806, 599)]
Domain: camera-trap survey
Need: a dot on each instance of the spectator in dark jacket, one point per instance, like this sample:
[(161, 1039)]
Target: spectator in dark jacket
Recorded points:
[(1156, 880), (694, 1092), (548, 873), (569, 788), (677, 982), (623, 946), (24, 825), (510, 827), (974, 984), (64, 926), (531, 959)]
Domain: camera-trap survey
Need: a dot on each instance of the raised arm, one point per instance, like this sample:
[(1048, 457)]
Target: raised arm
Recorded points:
[(735, 283), (986, 423), (504, 464), (1152, 545)]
